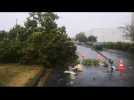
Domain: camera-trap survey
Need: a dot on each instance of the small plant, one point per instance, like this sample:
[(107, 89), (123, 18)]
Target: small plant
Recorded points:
[(90, 62), (77, 62)]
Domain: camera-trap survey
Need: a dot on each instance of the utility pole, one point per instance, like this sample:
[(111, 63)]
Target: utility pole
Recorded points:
[(132, 18), (16, 21), (17, 30), (132, 23)]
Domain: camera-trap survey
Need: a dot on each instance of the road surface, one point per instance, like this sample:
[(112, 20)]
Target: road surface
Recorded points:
[(96, 76)]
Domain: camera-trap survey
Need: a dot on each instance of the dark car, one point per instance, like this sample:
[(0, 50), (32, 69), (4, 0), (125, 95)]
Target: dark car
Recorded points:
[(98, 46)]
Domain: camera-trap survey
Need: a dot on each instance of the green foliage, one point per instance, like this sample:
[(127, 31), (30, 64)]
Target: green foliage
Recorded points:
[(17, 33), (50, 49), (10, 51), (39, 42), (92, 38), (90, 62), (3, 35), (31, 26), (81, 37), (77, 62), (119, 46), (45, 19)]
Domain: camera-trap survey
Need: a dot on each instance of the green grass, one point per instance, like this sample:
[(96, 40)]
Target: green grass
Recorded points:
[(18, 75)]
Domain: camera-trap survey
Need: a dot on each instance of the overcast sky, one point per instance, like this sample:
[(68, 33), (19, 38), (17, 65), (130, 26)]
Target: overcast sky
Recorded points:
[(74, 22)]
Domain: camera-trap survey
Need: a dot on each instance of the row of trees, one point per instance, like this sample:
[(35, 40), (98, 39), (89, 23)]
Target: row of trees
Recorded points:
[(128, 30), (81, 37), (127, 47), (40, 41)]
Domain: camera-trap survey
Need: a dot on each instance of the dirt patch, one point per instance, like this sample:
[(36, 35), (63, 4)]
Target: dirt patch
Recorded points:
[(23, 78), (18, 75)]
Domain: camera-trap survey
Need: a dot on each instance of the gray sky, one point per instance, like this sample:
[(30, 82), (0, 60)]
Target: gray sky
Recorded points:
[(74, 22)]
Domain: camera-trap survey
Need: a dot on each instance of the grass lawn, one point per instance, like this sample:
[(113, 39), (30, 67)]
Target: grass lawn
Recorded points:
[(19, 75)]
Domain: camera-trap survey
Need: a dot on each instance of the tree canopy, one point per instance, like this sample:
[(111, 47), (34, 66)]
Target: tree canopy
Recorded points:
[(40, 41), (81, 37), (92, 38)]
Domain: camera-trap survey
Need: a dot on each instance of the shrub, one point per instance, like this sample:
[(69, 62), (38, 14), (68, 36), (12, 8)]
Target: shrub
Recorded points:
[(77, 62), (119, 46), (45, 44), (90, 62)]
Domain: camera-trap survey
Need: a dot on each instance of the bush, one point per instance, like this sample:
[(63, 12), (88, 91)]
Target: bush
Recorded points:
[(131, 49), (46, 44), (119, 46), (92, 38), (10, 52), (77, 62), (90, 62), (49, 49), (81, 37)]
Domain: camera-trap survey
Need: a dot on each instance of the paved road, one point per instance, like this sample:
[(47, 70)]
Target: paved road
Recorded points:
[(96, 76)]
